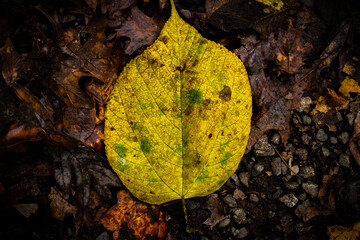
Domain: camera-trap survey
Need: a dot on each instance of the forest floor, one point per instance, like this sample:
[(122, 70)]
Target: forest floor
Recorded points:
[(299, 177)]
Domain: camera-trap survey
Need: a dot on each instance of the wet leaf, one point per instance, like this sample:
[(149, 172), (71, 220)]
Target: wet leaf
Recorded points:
[(178, 119), (344, 233), (141, 218)]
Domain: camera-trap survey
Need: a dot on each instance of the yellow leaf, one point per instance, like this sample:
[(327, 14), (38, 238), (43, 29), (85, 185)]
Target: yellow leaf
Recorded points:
[(349, 85), (344, 233), (178, 118), (274, 4)]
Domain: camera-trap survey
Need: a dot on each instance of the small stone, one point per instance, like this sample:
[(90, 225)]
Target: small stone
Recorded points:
[(278, 192), (294, 170), (254, 198), (299, 211), (325, 151), (263, 148), (311, 188), (275, 139), (225, 222), (26, 209), (344, 160), (244, 178), (276, 166), (284, 168), (239, 216), (333, 140), (235, 178), (307, 172), (204, 238), (321, 135), (238, 194), (239, 233), (289, 147), (191, 205), (103, 236), (302, 196), (344, 137), (304, 103), (305, 138), (351, 118), (306, 120), (259, 167), (302, 153), (291, 185), (289, 200), (229, 200)]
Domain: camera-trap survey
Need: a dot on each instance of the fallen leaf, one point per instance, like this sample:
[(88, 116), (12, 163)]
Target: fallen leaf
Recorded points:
[(312, 212), (143, 219), (333, 99), (349, 85), (27, 209), (354, 141), (141, 29), (321, 106), (215, 206), (59, 205), (344, 233), (178, 119)]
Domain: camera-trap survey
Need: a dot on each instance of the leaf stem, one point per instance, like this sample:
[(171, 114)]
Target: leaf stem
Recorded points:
[(185, 214)]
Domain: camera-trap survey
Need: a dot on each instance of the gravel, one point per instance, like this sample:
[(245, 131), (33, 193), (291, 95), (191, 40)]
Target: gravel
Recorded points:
[(306, 120), (289, 200), (344, 137), (239, 216), (259, 167), (350, 117), (305, 138), (321, 135), (344, 160), (307, 172), (244, 178), (263, 148), (238, 194), (291, 185), (239, 233), (254, 198), (275, 139), (301, 208), (311, 188), (225, 222), (325, 151), (333, 140), (230, 200), (302, 153), (276, 166)]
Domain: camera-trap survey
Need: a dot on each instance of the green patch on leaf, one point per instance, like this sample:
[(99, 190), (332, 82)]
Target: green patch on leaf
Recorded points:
[(224, 159), (195, 96), (203, 176), (120, 149), (122, 164), (145, 145)]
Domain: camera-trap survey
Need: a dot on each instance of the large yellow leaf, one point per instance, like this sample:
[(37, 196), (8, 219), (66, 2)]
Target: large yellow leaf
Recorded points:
[(178, 118)]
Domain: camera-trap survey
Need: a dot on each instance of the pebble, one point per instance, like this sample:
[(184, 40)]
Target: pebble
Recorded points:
[(235, 178), (302, 153), (333, 140), (204, 238), (259, 167), (275, 139), (306, 120), (302, 196), (103, 236), (238, 194), (325, 151), (276, 166), (344, 137), (307, 172), (304, 103), (263, 148), (229, 200), (278, 192), (289, 200), (239, 216), (254, 198), (239, 233), (321, 135), (311, 188), (305, 138), (291, 185), (344, 160), (244, 178), (301, 208), (225, 222), (284, 168), (350, 117)]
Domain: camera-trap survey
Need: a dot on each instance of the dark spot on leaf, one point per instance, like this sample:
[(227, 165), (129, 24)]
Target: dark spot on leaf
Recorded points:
[(202, 41), (151, 192), (164, 39), (161, 65), (112, 129), (145, 145), (178, 68), (195, 63), (153, 61), (210, 135), (225, 93), (189, 110)]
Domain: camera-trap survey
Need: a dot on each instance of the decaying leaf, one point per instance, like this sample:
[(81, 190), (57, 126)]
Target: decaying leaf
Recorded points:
[(142, 219), (344, 233), (178, 118)]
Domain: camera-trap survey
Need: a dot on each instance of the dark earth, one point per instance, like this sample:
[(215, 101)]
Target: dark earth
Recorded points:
[(300, 173)]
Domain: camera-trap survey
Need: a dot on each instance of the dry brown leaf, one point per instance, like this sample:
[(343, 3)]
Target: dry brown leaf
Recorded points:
[(59, 205), (142, 218), (215, 206)]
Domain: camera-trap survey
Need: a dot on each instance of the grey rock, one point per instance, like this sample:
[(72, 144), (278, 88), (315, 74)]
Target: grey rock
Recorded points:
[(289, 147), (307, 172), (344, 160), (276, 166), (230, 201), (289, 200), (103, 236), (333, 140), (263, 148), (239, 233), (244, 178), (275, 139), (306, 120), (235, 178), (26, 209), (238, 194), (311, 188), (259, 167), (304, 103), (325, 151), (302, 153), (351, 118), (191, 205), (301, 208), (321, 135), (239, 216), (278, 192), (225, 222), (254, 198), (305, 138), (302, 196), (344, 137), (284, 168), (291, 185)]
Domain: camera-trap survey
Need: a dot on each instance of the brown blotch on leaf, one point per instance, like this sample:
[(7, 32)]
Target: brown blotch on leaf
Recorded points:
[(225, 93), (164, 39)]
